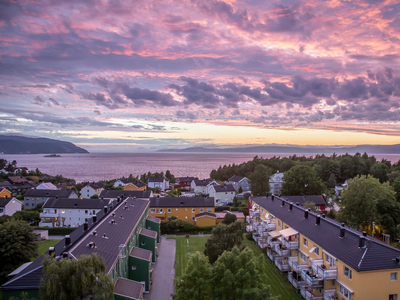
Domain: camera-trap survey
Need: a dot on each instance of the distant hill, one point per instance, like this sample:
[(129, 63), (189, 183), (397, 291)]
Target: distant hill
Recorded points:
[(277, 149), (27, 145)]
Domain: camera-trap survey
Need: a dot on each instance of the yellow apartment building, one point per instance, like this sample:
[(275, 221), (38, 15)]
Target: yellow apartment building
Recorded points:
[(4, 193), (323, 259), (135, 186), (184, 208)]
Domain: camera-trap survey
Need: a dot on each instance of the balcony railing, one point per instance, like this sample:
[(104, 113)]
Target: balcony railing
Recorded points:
[(255, 213), (309, 296), (271, 254), (282, 252), (311, 280), (319, 268), (330, 294), (249, 228), (292, 245), (248, 219), (294, 264), (269, 225), (296, 282), (255, 236), (273, 243), (262, 243), (282, 265)]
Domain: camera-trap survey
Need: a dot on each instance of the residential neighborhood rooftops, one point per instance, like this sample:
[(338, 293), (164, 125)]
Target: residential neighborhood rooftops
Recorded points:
[(203, 182), (182, 201), (376, 255), (236, 178), (48, 193), (224, 188), (96, 185), (69, 203), (141, 253), (17, 179), (186, 179), (113, 194), (138, 183), (129, 288), (157, 179), (5, 201)]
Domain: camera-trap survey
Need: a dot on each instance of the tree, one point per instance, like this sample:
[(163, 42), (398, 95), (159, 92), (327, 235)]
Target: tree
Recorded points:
[(223, 238), (84, 278), (169, 176), (240, 189), (360, 201), (302, 180), (229, 218), (18, 245), (310, 205), (236, 275), (380, 171), (396, 188), (260, 180), (332, 181)]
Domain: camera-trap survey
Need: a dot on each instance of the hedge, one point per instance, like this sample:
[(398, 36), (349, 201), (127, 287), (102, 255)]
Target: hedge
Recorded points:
[(57, 230), (177, 226)]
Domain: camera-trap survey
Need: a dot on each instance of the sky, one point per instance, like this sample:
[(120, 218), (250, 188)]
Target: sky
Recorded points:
[(137, 76)]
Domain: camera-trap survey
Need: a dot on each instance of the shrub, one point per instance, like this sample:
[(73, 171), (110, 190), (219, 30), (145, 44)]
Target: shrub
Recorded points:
[(221, 208)]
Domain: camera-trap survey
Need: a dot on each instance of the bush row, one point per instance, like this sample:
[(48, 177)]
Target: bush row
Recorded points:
[(56, 230), (176, 226)]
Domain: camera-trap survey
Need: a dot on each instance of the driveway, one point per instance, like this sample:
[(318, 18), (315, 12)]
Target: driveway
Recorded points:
[(163, 272)]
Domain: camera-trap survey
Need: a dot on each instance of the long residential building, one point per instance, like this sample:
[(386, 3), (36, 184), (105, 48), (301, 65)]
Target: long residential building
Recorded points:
[(323, 259), (122, 233), (34, 197)]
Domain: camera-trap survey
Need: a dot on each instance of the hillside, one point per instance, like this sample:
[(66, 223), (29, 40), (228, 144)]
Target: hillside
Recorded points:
[(25, 145)]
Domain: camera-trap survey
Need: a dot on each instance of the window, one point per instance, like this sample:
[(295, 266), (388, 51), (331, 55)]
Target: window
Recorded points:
[(305, 242), (201, 210), (55, 211), (169, 210), (192, 218), (86, 212), (209, 210), (303, 257), (393, 276), (286, 227), (142, 243), (330, 260), (345, 292), (152, 210), (279, 223), (193, 210), (393, 297), (94, 212), (1, 210), (161, 210), (133, 268), (316, 250), (347, 272)]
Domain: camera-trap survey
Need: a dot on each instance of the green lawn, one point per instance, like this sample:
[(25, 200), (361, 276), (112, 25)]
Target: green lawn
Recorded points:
[(279, 283), (44, 245)]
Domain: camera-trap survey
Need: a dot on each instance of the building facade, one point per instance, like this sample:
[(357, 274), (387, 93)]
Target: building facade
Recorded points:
[(240, 182), (34, 197), (223, 194), (92, 189), (9, 206)]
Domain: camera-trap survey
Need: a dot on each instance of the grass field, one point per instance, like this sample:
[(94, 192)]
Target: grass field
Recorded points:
[(44, 245), (279, 283)]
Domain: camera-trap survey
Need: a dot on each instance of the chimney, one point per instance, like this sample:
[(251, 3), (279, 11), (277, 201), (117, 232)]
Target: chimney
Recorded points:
[(361, 241), (267, 195), (105, 209), (113, 214), (305, 214), (94, 233), (112, 221), (52, 251), (65, 254), (94, 219), (92, 245), (290, 206), (56, 197), (67, 240), (364, 233), (318, 220), (323, 215), (342, 231), (85, 226), (283, 203), (272, 197)]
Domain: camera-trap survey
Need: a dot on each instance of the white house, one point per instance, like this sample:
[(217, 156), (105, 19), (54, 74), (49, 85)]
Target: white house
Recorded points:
[(8, 206), (222, 193), (275, 183), (162, 183), (66, 212), (33, 197), (121, 182), (202, 186), (92, 189), (240, 181), (46, 186)]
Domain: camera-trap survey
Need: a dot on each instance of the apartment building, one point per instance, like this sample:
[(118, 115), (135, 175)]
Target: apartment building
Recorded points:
[(323, 259)]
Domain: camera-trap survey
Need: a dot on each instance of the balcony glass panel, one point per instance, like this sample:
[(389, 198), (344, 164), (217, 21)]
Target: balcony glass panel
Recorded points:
[(296, 280), (319, 268), (291, 244), (310, 279), (330, 294)]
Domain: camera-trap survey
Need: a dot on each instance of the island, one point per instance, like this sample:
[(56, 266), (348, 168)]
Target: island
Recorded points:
[(52, 155)]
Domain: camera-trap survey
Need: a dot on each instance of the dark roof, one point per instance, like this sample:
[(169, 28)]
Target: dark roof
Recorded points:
[(5, 201), (114, 194), (203, 182), (138, 183), (96, 185), (375, 256), (148, 232), (153, 219), (141, 253), (157, 179), (5, 183), (206, 214), (48, 193), (17, 179), (106, 248), (182, 201), (129, 288), (317, 199), (236, 178), (224, 188), (69, 203), (185, 179)]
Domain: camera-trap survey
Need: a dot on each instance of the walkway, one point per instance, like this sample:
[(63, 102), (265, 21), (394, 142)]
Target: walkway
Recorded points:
[(163, 272)]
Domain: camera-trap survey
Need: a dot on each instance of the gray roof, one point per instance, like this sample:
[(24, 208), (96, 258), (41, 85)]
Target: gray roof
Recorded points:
[(153, 219), (129, 288), (141, 253), (157, 179), (5, 184), (185, 179), (148, 232), (107, 248), (236, 178), (70, 203), (375, 256), (317, 199), (205, 214), (17, 179), (48, 193), (224, 188), (182, 201), (5, 201), (203, 182), (96, 185), (114, 194)]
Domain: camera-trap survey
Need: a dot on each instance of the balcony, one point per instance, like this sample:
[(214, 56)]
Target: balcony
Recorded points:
[(296, 280), (282, 265), (255, 236), (319, 268), (262, 243), (330, 294), (255, 213), (282, 252), (311, 280), (273, 243), (249, 228), (309, 296), (258, 227), (248, 220), (269, 225), (292, 245), (48, 215), (271, 254), (294, 264)]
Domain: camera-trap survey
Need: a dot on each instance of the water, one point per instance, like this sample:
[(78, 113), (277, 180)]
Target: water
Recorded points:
[(106, 166)]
